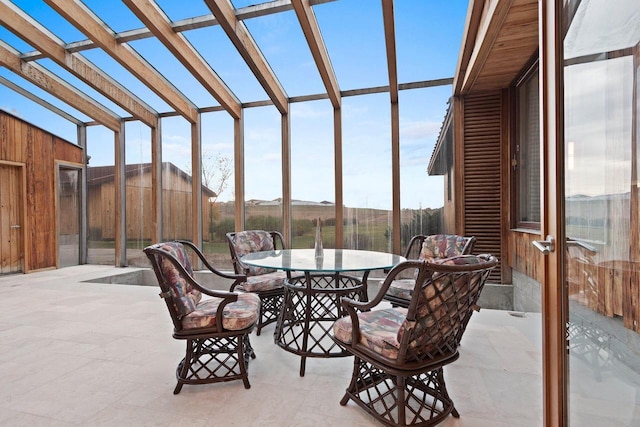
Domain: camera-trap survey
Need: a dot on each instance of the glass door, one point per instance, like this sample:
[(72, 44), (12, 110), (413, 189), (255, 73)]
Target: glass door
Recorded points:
[(602, 256), (68, 216)]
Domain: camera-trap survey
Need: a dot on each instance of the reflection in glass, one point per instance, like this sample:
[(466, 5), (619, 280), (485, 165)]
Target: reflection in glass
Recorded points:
[(139, 208), (68, 217), (100, 197), (603, 263)]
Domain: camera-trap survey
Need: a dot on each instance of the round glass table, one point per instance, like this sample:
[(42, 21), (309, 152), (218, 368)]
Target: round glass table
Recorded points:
[(312, 294)]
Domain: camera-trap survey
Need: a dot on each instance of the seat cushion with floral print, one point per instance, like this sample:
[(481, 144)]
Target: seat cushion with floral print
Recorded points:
[(401, 288), (264, 282), (183, 296), (378, 330), (236, 316), (434, 248), (439, 246), (245, 242), (438, 312)]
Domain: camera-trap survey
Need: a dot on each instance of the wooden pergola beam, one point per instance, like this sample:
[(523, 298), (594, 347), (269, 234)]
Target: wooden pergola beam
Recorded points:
[(22, 91), (35, 34), (51, 83), (243, 41), (390, 42), (157, 21), (86, 21), (318, 49)]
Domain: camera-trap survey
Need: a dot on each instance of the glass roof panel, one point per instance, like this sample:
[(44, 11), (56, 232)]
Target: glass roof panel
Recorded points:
[(50, 19), (168, 65), (282, 42), (244, 3), (30, 111), (115, 14), (428, 38), (128, 80), (14, 41), (216, 48), (178, 10), (81, 86), (354, 35)]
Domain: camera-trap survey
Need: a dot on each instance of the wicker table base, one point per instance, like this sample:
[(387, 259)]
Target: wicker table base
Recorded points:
[(311, 306)]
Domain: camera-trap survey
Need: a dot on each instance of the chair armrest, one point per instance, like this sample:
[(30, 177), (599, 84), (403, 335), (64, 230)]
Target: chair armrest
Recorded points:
[(238, 278), (391, 276)]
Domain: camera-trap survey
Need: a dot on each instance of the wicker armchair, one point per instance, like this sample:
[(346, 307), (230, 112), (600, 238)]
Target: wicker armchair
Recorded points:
[(400, 352), (429, 248), (216, 329), (267, 284)]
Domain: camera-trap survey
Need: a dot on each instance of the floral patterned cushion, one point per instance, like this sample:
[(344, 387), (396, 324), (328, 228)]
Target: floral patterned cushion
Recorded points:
[(265, 282), (183, 295), (249, 241), (442, 246), (236, 316), (379, 330), (401, 288)]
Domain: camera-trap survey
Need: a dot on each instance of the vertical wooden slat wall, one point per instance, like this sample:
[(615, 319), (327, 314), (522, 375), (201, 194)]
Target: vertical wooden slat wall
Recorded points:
[(38, 150), (481, 175)]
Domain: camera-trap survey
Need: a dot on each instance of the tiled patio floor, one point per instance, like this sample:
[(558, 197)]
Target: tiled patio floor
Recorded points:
[(76, 353)]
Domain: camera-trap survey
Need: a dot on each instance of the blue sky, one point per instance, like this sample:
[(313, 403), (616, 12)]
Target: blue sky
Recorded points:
[(428, 37)]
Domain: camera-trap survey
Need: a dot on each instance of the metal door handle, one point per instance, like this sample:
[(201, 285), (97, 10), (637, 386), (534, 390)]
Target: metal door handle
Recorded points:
[(545, 246), (15, 226)]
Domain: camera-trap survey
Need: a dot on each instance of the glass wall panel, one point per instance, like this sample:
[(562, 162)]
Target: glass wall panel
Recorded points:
[(601, 199), (139, 207), (312, 173), (366, 125), (263, 168), (100, 196), (68, 216), (421, 195), (176, 179), (218, 208)]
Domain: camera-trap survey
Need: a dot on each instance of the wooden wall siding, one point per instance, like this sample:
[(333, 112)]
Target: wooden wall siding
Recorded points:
[(11, 202), (176, 199), (525, 258), (38, 150), (481, 174)]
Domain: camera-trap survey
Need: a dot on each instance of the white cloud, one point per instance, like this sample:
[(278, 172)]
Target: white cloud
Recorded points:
[(420, 130)]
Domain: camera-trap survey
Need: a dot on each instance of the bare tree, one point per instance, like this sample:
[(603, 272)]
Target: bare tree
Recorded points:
[(216, 172)]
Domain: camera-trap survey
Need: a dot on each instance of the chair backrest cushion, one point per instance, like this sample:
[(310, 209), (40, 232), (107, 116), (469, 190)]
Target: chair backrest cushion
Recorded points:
[(184, 297), (439, 246), (444, 308), (249, 241)]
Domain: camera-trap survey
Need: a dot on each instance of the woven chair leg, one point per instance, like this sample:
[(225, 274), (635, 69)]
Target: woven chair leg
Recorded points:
[(243, 347), (269, 311), (183, 367), (400, 385)]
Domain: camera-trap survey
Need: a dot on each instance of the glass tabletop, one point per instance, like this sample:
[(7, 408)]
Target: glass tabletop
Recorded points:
[(333, 260)]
